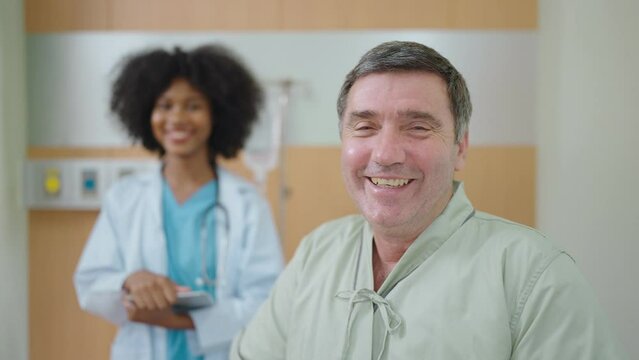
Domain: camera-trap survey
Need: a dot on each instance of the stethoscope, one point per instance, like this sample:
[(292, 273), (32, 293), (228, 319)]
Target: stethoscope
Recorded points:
[(204, 280)]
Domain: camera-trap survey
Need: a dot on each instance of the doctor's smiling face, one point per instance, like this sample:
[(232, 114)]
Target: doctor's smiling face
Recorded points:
[(181, 120), (399, 151)]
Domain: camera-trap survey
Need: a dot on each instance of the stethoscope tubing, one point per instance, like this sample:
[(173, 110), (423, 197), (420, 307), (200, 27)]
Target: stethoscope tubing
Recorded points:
[(204, 279)]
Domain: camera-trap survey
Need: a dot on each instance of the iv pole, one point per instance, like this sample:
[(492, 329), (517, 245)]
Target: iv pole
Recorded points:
[(284, 191), (261, 159)]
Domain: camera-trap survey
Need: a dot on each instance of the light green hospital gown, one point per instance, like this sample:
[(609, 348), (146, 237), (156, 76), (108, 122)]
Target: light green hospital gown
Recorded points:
[(472, 286)]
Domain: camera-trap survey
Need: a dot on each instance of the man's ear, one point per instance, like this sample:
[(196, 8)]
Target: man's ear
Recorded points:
[(462, 151)]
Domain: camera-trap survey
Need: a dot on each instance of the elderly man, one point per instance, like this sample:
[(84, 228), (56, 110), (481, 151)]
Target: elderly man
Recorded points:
[(421, 274)]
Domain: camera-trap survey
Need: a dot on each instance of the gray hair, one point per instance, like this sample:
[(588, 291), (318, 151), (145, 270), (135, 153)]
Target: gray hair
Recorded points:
[(396, 56)]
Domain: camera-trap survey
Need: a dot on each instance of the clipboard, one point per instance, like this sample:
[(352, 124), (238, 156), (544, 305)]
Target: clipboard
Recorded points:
[(192, 300)]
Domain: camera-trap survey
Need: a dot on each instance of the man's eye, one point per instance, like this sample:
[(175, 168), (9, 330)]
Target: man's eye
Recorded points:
[(419, 130), (363, 128)]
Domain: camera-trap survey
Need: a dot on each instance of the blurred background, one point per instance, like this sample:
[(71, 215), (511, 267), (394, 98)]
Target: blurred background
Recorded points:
[(554, 86)]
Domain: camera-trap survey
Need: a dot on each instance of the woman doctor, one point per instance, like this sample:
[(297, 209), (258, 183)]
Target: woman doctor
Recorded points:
[(190, 226)]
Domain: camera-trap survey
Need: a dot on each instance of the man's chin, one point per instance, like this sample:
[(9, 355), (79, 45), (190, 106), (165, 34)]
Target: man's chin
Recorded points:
[(384, 220)]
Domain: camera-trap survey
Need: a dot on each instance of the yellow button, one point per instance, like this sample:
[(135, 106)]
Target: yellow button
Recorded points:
[(52, 181)]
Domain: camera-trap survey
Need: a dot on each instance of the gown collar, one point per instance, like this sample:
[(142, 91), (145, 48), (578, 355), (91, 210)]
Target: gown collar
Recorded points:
[(457, 212)]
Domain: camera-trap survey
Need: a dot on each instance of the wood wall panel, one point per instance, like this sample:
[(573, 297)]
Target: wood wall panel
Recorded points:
[(494, 14), (195, 15), (502, 181), (314, 14), (58, 329), (317, 192), (246, 15), (400, 14), (498, 180), (161, 14), (65, 15), (48, 153)]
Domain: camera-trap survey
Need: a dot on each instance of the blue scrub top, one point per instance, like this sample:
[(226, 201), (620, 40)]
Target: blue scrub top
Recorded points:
[(182, 229)]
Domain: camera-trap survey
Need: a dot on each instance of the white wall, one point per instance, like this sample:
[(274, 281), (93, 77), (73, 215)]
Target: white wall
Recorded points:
[(498, 65), (588, 185), (13, 240)]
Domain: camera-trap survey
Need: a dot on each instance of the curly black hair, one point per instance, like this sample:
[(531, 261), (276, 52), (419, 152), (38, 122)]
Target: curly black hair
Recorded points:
[(233, 94)]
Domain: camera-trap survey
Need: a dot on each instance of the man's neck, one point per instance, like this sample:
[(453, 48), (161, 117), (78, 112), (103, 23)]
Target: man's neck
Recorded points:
[(386, 255), (390, 244)]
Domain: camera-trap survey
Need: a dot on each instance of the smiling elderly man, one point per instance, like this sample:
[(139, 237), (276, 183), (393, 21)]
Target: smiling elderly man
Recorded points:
[(421, 274)]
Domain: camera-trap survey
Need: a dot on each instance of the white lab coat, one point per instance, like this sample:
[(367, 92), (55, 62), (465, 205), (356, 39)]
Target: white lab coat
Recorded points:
[(128, 236)]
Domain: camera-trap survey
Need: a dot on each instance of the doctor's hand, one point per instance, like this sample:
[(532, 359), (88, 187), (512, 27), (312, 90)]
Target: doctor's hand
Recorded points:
[(158, 317), (149, 291)]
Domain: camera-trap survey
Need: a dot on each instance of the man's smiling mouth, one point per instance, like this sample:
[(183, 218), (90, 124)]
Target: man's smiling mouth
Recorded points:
[(391, 183)]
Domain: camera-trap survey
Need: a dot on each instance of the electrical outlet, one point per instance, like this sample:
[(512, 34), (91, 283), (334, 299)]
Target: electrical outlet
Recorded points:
[(89, 182), (52, 182)]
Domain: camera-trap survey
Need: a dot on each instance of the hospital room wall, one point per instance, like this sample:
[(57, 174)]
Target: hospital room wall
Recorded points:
[(13, 225), (500, 177), (587, 147)]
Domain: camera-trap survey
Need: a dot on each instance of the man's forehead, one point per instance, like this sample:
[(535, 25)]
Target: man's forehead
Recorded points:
[(406, 74), (400, 80), (402, 113), (406, 92)]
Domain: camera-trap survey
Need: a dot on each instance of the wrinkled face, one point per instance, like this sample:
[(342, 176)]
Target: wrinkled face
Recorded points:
[(398, 150), (181, 120)]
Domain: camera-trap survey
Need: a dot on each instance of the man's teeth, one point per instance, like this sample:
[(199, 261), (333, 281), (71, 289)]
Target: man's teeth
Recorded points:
[(389, 182)]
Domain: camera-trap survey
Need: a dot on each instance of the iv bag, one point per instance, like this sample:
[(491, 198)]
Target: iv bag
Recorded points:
[(263, 148)]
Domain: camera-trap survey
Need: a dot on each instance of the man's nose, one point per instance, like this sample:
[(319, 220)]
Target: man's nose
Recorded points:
[(388, 148)]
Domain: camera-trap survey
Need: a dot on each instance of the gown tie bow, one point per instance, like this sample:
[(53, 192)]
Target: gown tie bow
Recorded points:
[(390, 318)]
